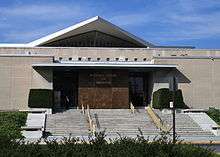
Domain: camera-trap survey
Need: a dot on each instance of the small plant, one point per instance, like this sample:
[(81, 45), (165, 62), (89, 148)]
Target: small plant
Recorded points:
[(98, 146), (214, 114)]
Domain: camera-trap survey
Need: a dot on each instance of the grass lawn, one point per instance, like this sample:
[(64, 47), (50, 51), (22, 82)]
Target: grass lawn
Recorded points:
[(11, 122), (214, 114)]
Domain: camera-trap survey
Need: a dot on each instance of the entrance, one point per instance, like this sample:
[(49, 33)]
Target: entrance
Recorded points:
[(65, 85), (138, 91)]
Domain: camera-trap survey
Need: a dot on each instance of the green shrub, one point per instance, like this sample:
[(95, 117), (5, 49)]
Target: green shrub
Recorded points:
[(10, 124), (99, 147), (179, 99), (214, 114), (40, 98), (163, 97)]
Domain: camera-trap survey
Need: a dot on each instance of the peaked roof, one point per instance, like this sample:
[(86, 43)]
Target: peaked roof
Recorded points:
[(94, 23)]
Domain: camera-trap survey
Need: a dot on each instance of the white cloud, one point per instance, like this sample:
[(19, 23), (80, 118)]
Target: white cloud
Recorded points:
[(131, 19), (184, 20), (174, 19), (29, 34), (24, 23), (42, 12)]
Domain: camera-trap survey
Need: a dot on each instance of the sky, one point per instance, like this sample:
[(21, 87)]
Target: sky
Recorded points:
[(162, 22)]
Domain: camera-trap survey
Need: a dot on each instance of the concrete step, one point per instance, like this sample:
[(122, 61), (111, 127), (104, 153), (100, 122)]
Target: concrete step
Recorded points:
[(66, 123)]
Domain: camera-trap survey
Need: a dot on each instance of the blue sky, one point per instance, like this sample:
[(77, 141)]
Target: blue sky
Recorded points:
[(162, 22)]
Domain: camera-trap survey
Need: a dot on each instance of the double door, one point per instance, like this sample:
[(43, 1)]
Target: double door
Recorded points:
[(65, 87)]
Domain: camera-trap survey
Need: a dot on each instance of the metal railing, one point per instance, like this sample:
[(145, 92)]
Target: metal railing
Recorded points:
[(132, 108), (90, 121), (157, 120), (83, 109)]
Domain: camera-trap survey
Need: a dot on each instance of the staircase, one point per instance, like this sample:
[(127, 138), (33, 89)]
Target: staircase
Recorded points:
[(122, 122), (67, 123), (185, 126)]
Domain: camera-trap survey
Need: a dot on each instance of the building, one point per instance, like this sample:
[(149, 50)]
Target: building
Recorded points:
[(98, 64)]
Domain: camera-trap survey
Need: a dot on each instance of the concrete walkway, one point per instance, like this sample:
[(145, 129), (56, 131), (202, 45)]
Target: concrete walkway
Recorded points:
[(35, 125), (203, 120), (186, 127)]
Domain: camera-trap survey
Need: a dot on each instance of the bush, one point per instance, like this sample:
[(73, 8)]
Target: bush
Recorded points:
[(99, 146), (10, 124), (214, 114), (163, 97), (40, 98)]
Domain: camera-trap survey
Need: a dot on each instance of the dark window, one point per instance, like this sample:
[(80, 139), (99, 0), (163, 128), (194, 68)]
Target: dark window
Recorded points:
[(60, 58), (144, 59), (98, 59), (107, 59), (135, 59), (89, 59), (92, 43), (116, 59), (79, 59), (126, 59), (70, 58)]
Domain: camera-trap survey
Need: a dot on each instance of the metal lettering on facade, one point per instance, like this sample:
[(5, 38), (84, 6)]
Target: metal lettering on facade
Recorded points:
[(103, 79)]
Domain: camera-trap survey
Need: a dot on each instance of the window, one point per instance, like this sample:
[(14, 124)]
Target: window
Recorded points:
[(89, 59), (60, 58), (126, 59), (135, 59), (116, 59), (144, 59), (98, 59), (107, 59), (70, 58), (80, 58)]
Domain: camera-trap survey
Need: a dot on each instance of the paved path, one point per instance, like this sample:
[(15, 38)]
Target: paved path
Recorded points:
[(34, 120), (203, 120), (186, 127)]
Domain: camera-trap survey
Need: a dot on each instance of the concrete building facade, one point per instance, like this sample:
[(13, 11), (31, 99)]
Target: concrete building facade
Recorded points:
[(98, 64)]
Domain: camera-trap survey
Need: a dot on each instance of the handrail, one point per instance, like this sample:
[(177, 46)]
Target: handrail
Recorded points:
[(132, 108), (91, 123), (157, 120), (83, 109)]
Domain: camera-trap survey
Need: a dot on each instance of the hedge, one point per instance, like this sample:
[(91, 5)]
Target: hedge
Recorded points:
[(163, 97), (40, 98), (10, 124), (100, 147), (214, 114)]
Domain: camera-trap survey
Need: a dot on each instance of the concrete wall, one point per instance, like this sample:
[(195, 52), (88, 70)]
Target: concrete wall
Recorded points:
[(199, 80), (112, 53), (83, 53), (16, 78), (198, 71)]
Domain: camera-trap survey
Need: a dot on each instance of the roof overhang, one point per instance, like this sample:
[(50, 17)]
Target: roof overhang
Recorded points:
[(95, 65), (95, 23)]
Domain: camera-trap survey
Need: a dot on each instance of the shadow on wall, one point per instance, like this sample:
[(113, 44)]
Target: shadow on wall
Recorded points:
[(163, 76), (181, 77), (46, 73)]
